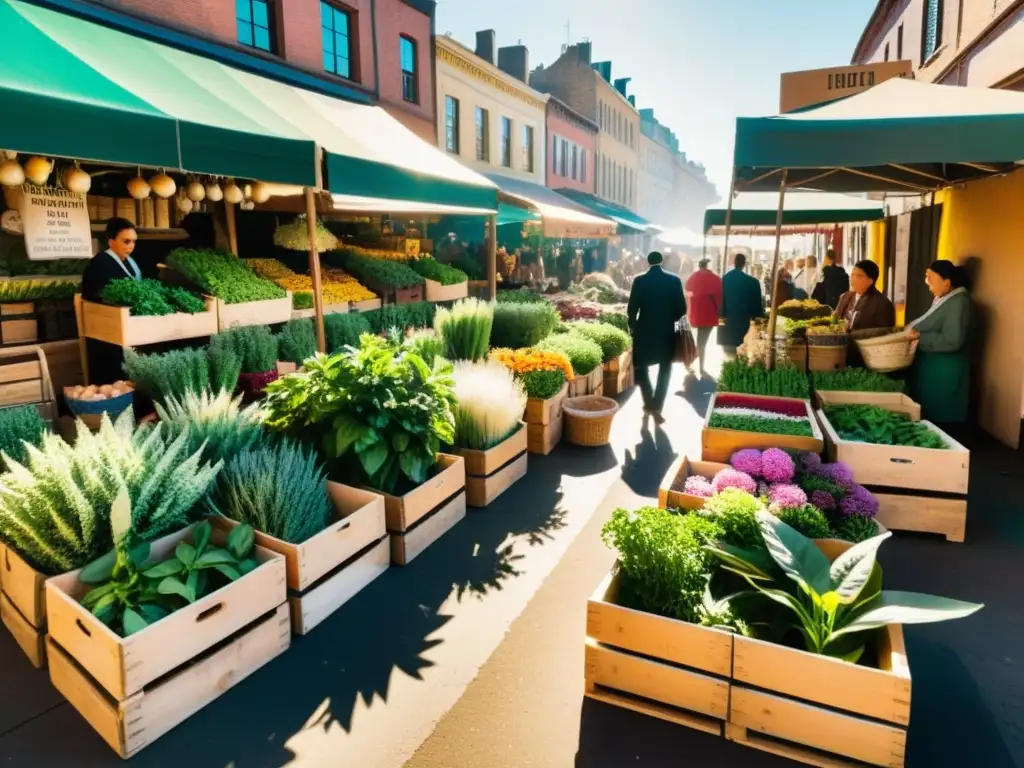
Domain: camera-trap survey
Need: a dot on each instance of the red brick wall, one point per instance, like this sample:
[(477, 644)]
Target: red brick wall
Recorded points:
[(557, 126), (394, 19), (299, 36), (214, 18)]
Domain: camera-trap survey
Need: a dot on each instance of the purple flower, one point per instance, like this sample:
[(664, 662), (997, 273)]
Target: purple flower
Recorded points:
[(823, 500), (785, 496), (747, 460), (777, 466), (839, 473), (859, 501), (698, 485), (811, 462), (731, 478)]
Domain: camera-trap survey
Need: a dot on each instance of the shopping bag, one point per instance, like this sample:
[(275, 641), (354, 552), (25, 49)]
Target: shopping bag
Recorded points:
[(686, 346)]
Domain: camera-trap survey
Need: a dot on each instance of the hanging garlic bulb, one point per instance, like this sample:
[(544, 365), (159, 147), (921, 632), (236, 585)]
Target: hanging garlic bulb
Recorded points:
[(163, 185), (196, 192), (214, 193), (11, 173), (76, 180), (138, 188), (260, 192), (233, 194), (248, 205), (38, 170), (8, 154), (185, 205)]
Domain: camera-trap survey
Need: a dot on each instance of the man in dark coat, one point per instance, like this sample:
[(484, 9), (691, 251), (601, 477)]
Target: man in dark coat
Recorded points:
[(833, 283), (115, 263), (656, 303), (741, 303), (865, 307)]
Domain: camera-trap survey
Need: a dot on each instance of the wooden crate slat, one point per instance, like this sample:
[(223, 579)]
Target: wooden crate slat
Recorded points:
[(405, 547), (482, 491), (21, 392), (542, 439), (543, 412), (671, 499), (30, 639), (923, 514), (720, 444), (403, 512), (24, 587)]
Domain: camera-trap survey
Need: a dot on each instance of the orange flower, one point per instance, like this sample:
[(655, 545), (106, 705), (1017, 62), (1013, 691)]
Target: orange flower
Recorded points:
[(522, 361)]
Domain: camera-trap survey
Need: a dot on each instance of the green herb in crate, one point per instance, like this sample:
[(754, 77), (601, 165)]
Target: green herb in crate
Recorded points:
[(432, 269), (785, 381), (871, 424), (174, 373), (19, 426), (518, 325), (392, 274), (584, 354), (254, 345), (765, 425), (855, 380), (12, 291), (297, 341), (612, 341), (223, 275), (150, 298)]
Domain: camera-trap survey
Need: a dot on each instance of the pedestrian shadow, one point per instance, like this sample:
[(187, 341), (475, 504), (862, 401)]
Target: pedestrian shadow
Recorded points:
[(644, 466), (697, 392)]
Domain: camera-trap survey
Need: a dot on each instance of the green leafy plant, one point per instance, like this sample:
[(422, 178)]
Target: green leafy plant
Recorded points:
[(432, 269), (808, 520), (344, 330), (215, 425), (393, 274), (855, 528), (223, 275), (20, 427), (763, 424), (294, 236), (619, 319), (297, 341), (519, 325), (427, 344), (465, 329), (735, 513), (584, 354), (522, 296), (254, 345), (36, 290), (302, 300), (612, 341), (150, 297), (543, 384), (280, 490), (855, 380), (403, 317), (489, 404), (174, 373), (834, 605), (871, 424), (55, 509), (743, 378), (379, 403)]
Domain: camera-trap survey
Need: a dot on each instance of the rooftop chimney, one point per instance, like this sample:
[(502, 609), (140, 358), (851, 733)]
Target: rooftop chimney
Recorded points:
[(585, 52), (486, 41), (632, 100), (621, 83), (604, 68), (515, 60)]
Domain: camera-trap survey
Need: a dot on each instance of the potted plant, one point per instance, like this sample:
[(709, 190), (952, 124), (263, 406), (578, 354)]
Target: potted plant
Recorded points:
[(255, 347), (441, 281), (615, 354), (545, 377), (585, 356), (465, 329)]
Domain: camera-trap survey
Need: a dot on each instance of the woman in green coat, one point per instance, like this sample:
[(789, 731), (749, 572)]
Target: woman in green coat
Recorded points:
[(940, 377)]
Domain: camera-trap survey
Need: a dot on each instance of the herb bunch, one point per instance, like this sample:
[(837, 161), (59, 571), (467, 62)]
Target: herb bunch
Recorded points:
[(754, 379), (871, 424), (223, 275), (432, 269), (151, 297)]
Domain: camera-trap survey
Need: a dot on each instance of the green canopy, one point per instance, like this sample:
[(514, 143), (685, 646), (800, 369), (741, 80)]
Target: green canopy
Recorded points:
[(899, 136), (628, 222), (65, 107), (759, 210), (513, 214)]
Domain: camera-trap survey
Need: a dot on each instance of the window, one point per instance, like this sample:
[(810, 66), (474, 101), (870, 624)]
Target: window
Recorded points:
[(564, 159), (334, 35), (583, 164), (899, 43), (451, 124), (600, 113), (886, 54), (932, 26), (506, 142), (483, 139), (253, 20), (410, 86), (554, 155), (528, 148), (575, 162)]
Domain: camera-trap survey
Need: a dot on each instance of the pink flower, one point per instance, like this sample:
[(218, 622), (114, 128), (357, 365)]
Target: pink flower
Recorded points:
[(698, 485), (785, 496), (777, 466), (731, 478), (747, 460)]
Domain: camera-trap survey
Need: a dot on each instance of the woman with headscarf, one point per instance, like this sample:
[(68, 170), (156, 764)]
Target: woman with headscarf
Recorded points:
[(940, 377)]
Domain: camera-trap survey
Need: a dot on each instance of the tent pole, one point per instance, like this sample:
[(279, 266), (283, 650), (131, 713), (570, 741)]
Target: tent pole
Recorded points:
[(772, 315), (704, 250), (492, 261), (314, 272), (229, 214), (728, 223)]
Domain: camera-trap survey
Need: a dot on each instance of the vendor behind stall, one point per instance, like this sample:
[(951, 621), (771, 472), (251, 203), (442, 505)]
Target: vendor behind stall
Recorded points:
[(864, 307), (115, 263)]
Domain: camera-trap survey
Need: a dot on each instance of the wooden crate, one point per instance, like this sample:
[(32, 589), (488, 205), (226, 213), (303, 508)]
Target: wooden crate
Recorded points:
[(437, 292), (405, 547), (366, 306), (130, 725), (116, 325), (721, 444), (284, 368), (657, 666), (265, 312), (18, 324), (778, 703), (25, 380), (681, 469), (623, 362), (891, 401), (543, 412), (29, 638), (23, 605), (327, 569), (407, 295), (934, 470), (923, 514), (595, 381), (329, 309), (490, 473), (124, 666), (542, 438), (615, 383), (578, 386)]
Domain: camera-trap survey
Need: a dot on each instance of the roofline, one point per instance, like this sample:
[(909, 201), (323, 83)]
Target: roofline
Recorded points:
[(461, 49), (881, 11), (552, 99)]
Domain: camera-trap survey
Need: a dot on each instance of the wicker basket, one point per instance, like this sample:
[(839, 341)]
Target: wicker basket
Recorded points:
[(826, 358), (893, 351), (588, 419), (796, 353)]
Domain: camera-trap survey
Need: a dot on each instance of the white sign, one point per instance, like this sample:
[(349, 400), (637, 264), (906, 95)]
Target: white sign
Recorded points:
[(902, 259), (56, 224)]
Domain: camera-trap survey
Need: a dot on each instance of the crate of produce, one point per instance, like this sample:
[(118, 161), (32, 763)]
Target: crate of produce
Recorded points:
[(735, 421), (490, 473), (116, 325), (420, 517), (672, 491), (657, 666), (543, 412), (897, 402), (25, 380), (436, 291), (542, 438), (326, 570), (266, 312)]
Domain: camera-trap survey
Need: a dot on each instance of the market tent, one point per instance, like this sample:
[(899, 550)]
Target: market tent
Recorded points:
[(629, 222), (899, 136), (356, 204), (514, 214), (561, 217), (755, 210), (66, 108)]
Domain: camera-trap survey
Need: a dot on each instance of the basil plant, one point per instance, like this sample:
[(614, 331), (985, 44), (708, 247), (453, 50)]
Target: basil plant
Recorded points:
[(833, 605)]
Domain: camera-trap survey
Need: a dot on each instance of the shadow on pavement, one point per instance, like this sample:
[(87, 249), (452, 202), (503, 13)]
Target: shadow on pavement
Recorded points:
[(644, 466)]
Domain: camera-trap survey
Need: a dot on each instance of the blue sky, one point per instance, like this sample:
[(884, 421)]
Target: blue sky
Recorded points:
[(698, 63)]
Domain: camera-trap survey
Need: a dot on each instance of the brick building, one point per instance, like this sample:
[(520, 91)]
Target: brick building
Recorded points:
[(380, 49), (572, 143), (979, 43)]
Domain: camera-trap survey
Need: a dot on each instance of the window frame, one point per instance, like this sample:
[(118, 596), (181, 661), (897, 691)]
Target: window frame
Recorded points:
[(270, 8), (349, 42), (505, 137), (452, 110), (483, 138), (411, 76), (899, 42), (554, 154), (583, 165), (927, 53), (529, 137)]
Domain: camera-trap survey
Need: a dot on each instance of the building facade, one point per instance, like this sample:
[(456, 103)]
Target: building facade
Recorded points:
[(588, 89), (979, 43), (693, 193), (382, 49), (487, 115), (656, 198), (572, 145)]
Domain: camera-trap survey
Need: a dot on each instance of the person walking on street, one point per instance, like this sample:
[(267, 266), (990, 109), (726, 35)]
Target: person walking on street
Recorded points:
[(656, 303), (741, 303), (833, 283), (704, 300)]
